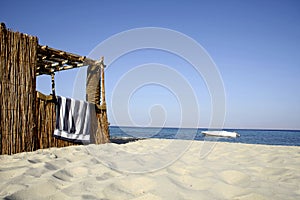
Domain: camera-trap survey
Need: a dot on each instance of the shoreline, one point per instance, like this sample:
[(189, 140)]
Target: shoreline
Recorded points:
[(123, 140)]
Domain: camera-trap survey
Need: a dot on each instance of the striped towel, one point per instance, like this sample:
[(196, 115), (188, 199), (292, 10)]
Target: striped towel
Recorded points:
[(75, 119)]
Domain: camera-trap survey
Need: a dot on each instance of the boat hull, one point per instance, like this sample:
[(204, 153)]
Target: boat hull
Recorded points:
[(221, 133)]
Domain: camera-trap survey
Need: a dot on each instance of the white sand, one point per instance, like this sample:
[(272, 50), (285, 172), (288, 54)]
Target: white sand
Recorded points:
[(153, 169)]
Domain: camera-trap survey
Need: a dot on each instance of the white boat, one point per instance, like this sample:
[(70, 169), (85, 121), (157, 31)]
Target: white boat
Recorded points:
[(221, 133)]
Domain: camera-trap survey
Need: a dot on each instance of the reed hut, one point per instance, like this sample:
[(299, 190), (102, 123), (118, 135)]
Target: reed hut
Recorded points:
[(27, 117)]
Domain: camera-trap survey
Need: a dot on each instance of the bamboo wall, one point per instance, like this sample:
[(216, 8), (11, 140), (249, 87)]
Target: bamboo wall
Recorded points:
[(102, 134), (45, 124), (18, 83)]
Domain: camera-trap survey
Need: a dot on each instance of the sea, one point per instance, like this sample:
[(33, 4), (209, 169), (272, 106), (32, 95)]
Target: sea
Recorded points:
[(248, 136)]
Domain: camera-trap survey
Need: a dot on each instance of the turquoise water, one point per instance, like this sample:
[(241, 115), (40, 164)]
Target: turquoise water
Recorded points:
[(268, 137)]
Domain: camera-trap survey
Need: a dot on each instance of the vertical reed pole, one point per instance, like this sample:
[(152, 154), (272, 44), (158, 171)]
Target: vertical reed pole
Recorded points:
[(102, 86), (102, 116), (53, 84)]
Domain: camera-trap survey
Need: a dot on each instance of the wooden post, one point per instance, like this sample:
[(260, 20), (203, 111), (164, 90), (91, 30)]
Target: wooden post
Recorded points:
[(102, 66), (95, 76), (103, 125), (103, 112), (53, 85), (93, 84)]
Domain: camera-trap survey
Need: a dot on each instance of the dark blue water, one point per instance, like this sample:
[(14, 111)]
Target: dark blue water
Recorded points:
[(268, 137)]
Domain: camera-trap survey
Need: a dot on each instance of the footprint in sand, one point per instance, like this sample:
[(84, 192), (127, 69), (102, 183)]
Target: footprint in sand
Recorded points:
[(63, 175), (71, 173), (234, 177)]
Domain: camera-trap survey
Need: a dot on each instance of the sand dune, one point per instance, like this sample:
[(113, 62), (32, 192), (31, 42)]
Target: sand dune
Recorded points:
[(153, 169)]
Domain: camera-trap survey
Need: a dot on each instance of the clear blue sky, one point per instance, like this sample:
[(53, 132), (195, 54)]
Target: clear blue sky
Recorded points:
[(255, 45)]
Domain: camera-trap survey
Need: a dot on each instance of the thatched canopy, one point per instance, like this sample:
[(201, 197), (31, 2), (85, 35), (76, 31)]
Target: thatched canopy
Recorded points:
[(50, 60)]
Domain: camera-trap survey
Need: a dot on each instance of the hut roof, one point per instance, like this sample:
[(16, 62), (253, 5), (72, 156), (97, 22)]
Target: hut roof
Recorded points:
[(50, 60)]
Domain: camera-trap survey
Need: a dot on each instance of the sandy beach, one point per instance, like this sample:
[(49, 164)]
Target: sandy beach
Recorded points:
[(153, 169)]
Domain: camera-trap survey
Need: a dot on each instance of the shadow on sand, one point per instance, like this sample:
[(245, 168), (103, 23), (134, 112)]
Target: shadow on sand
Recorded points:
[(124, 140)]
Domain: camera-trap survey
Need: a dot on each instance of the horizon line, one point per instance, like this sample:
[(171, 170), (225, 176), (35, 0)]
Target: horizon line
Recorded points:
[(265, 129)]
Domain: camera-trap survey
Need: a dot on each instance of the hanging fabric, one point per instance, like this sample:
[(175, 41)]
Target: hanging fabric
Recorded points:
[(75, 119)]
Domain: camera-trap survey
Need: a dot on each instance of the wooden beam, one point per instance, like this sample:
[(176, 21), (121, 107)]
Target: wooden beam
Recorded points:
[(44, 97), (50, 59), (60, 54)]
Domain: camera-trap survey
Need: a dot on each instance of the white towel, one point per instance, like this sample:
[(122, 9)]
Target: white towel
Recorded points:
[(75, 119)]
